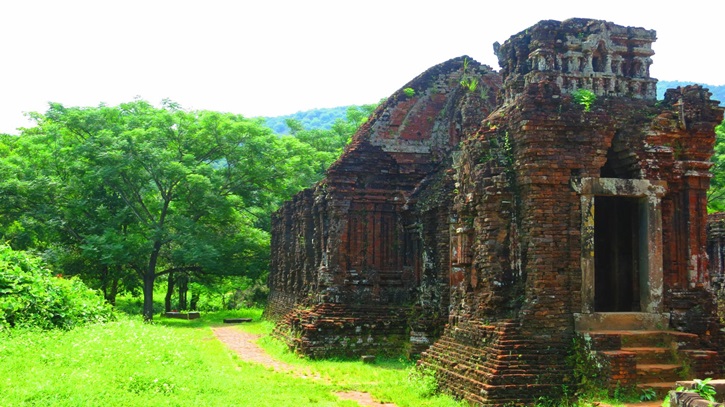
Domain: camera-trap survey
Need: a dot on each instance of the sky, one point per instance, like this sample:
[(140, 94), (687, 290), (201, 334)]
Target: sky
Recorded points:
[(276, 57)]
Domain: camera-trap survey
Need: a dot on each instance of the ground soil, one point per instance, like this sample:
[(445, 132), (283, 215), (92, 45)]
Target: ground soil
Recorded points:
[(244, 344)]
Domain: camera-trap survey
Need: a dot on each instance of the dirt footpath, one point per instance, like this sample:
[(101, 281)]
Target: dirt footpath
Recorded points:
[(244, 344)]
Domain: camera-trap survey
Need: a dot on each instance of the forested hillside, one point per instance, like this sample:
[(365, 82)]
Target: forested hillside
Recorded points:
[(309, 119)]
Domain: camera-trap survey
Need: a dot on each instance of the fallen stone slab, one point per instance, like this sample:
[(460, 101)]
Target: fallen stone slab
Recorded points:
[(236, 320), (183, 315), (690, 399), (717, 384)]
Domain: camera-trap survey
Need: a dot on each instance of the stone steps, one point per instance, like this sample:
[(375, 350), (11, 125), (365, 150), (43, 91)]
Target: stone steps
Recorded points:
[(658, 353), (640, 339), (652, 354), (656, 373)]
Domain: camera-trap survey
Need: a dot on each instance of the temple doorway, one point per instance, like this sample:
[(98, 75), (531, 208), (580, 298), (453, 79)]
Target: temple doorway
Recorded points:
[(621, 258), (618, 244)]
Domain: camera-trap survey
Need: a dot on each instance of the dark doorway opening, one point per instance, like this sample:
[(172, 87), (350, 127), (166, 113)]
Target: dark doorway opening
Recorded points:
[(617, 227)]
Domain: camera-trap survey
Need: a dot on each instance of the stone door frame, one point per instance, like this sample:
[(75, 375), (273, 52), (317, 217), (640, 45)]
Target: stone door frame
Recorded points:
[(650, 253)]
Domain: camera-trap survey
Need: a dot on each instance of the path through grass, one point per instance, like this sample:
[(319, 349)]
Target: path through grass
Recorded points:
[(180, 363)]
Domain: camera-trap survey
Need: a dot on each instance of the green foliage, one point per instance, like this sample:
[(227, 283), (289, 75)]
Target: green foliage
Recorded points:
[(586, 368), (231, 293), (424, 381), (704, 389), (313, 119), (409, 92), (716, 193), (467, 81), (584, 97), (648, 394), (121, 195), (31, 296)]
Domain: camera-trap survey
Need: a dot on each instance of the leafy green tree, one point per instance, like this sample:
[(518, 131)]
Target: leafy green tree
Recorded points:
[(149, 191), (123, 195)]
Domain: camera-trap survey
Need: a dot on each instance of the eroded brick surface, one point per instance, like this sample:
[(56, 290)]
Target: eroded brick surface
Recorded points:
[(373, 235), (550, 207)]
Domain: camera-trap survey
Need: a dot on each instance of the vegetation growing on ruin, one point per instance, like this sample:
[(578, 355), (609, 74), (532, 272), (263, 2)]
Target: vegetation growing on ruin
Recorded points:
[(468, 81), (585, 98)]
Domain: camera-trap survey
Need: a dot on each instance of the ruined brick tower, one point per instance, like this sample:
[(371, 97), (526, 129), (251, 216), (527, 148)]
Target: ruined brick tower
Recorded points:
[(355, 269), (575, 208)]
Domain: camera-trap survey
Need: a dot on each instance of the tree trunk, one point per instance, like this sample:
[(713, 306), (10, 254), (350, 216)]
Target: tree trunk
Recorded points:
[(108, 276), (104, 281), (169, 292), (111, 297), (183, 290), (194, 299), (148, 296), (149, 277)]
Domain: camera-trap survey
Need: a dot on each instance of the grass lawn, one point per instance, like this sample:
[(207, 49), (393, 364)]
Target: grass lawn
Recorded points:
[(181, 363)]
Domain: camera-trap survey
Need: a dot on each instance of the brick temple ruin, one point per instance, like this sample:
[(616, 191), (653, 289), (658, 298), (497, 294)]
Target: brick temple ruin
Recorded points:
[(493, 226)]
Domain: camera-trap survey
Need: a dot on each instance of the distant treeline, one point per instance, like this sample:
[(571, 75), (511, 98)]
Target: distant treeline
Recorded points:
[(324, 118), (313, 119)]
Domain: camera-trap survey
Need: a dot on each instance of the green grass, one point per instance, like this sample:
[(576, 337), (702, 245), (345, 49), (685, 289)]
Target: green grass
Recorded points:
[(388, 380), (180, 363)]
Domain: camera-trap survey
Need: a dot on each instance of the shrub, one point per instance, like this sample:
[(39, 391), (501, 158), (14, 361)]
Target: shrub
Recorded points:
[(31, 296)]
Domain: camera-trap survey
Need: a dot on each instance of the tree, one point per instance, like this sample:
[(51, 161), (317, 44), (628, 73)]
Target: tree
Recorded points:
[(123, 195), (153, 191)]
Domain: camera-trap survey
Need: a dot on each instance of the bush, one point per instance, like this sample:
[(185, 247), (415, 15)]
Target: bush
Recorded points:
[(31, 296)]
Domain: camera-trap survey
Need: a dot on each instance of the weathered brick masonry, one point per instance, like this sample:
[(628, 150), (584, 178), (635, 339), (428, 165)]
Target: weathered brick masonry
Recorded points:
[(556, 215), (360, 261)]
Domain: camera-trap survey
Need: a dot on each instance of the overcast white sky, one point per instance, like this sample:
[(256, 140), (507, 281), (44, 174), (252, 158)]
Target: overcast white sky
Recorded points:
[(275, 57)]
